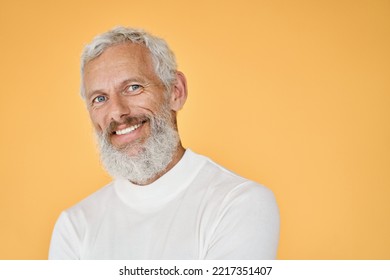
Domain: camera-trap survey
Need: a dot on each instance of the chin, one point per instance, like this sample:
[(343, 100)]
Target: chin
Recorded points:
[(131, 149)]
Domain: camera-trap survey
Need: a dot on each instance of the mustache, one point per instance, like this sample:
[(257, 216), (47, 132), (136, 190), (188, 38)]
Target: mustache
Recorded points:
[(128, 121)]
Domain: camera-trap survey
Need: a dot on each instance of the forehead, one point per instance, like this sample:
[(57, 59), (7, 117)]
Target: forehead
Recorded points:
[(119, 62), (123, 51)]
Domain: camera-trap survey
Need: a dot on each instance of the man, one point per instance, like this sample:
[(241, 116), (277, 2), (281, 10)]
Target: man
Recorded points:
[(165, 202)]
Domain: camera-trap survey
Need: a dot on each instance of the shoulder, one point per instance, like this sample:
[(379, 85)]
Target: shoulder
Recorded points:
[(92, 204), (224, 185), (240, 215)]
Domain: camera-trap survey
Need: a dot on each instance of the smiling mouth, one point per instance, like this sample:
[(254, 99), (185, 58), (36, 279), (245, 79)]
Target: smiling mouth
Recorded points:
[(129, 129)]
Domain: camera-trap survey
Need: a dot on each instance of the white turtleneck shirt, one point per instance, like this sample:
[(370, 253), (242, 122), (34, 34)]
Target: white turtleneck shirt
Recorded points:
[(197, 210)]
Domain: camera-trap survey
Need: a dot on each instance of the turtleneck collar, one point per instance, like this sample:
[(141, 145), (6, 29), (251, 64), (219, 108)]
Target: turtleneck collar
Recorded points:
[(165, 188)]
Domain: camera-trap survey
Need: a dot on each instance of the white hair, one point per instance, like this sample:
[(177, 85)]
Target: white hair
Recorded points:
[(164, 61)]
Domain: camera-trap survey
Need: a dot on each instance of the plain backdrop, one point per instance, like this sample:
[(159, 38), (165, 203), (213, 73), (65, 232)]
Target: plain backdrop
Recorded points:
[(292, 94)]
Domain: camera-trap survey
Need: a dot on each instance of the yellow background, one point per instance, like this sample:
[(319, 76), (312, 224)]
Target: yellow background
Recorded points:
[(292, 94)]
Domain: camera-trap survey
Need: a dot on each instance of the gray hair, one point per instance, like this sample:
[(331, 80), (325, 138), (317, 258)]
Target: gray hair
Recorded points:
[(164, 61)]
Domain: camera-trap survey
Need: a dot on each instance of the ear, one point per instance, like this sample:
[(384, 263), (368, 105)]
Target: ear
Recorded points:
[(178, 92)]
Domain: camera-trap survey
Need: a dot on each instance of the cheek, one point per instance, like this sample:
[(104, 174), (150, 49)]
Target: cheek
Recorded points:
[(97, 121), (153, 104)]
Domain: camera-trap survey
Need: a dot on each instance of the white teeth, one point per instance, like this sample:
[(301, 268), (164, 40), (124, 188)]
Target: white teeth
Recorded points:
[(127, 130)]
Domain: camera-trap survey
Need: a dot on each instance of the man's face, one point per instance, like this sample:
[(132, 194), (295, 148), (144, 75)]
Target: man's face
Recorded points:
[(123, 93)]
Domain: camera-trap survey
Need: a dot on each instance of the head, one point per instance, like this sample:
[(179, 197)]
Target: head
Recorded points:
[(133, 92), (163, 58)]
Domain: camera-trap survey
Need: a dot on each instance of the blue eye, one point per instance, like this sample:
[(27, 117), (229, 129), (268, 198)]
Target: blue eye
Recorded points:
[(133, 88), (99, 99)]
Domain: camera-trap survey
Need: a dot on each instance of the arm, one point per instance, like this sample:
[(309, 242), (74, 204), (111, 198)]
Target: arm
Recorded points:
[(247, 226), (65, 241)]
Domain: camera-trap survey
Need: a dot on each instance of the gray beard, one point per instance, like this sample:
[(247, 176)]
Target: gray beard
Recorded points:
[(152, 157)]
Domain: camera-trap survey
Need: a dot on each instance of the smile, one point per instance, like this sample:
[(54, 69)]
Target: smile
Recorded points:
[(128, 129)]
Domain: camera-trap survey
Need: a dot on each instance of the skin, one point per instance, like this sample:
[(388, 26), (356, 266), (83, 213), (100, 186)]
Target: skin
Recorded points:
[(121, 83)]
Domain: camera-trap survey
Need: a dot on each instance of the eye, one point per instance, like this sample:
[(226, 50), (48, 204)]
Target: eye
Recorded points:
[(133, 89), (99, 99)]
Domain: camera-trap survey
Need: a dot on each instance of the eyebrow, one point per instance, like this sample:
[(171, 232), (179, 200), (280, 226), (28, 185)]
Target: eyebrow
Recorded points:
[(120, 86)]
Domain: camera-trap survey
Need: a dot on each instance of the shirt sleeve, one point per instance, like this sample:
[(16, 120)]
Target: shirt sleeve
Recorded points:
[(248, 225), (65, 241)]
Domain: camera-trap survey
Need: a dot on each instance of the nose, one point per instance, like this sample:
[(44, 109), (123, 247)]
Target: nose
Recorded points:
[(119, 108)]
